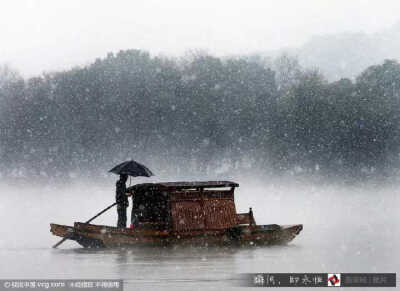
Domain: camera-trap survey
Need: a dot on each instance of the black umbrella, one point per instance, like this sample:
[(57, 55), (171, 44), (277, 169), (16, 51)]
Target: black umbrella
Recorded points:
[(131, 168)]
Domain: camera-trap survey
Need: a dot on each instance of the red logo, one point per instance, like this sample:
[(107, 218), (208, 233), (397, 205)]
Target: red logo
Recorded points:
[(334, 280)]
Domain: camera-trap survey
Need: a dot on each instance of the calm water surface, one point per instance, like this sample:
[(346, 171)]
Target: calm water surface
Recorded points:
[(346, 229)]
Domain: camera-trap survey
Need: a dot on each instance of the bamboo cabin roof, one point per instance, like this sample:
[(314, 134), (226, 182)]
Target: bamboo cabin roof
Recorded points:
[(182, 185)]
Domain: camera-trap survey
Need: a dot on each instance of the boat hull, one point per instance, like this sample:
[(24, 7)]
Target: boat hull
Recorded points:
[(101, 236)]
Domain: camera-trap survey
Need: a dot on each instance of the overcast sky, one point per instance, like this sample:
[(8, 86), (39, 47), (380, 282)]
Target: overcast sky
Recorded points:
[(46, 35)]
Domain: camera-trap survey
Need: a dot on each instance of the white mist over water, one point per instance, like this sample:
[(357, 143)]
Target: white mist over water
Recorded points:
[(346, 229)]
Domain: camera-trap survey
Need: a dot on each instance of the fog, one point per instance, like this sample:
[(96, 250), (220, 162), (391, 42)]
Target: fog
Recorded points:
[(297, 101), (47, 35), (346, 229)]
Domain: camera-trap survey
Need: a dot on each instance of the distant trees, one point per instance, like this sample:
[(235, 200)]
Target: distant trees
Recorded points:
[(343, 127), (199, 115)]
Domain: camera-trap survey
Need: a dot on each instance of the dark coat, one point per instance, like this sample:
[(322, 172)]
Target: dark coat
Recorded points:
[(120, 196)]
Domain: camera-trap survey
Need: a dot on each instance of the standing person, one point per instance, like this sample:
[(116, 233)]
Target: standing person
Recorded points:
[(122, 200)]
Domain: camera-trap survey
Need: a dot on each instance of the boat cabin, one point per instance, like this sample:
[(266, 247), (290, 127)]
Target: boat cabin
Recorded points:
[(186, 206)]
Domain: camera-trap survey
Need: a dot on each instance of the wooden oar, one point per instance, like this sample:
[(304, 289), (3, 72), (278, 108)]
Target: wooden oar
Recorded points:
[(97, 215)]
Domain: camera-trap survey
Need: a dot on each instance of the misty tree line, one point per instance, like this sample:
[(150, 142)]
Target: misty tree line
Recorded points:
[(199, 114)]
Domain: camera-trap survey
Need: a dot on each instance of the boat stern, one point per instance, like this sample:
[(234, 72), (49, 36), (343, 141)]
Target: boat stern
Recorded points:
[(72, 233), (61, 230)]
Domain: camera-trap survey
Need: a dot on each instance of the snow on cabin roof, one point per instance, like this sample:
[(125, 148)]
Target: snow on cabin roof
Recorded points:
[(183, 185)]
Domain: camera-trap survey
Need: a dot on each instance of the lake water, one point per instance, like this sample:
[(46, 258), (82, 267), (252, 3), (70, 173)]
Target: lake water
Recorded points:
[(346, 229)]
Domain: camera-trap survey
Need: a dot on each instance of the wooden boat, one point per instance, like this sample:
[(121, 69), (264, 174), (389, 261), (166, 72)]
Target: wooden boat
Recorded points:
[(184, 213)]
